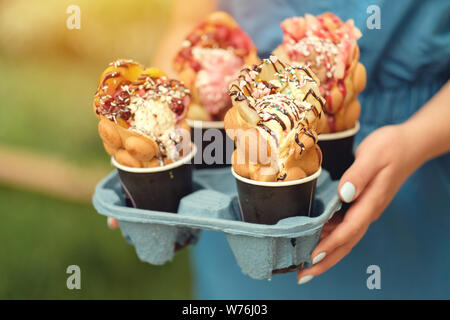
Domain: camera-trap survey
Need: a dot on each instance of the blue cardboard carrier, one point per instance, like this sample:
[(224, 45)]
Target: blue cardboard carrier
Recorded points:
[(260, 250)]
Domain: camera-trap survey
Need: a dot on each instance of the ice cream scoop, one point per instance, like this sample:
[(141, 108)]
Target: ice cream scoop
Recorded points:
[(209, 58), (281, 105), (141, 115), (328, 46), (219, 68)]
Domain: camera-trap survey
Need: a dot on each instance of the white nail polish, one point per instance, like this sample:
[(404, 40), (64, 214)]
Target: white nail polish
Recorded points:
[(347, 192), (305, 279), (319, 257)]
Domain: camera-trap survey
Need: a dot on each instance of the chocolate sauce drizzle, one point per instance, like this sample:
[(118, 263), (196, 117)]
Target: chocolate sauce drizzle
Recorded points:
[(305, 70), (110, 75), (279, 107), (322, 103), (123, 63), (277, 119), (301, 145), (275, 67), (270, 86), (311, 135), (287, 114), (289, 108), (267, 129), (239, 94)]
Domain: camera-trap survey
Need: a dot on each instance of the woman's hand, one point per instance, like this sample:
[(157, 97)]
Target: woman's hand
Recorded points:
[(112, 223), (383, 161)]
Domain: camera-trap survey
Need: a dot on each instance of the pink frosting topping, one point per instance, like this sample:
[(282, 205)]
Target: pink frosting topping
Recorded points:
[(326, 35), (219, 68)]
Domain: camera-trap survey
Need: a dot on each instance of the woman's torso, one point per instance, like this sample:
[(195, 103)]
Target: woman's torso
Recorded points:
[(407, 61)]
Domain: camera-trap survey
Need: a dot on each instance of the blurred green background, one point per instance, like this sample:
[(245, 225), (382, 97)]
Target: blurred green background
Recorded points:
[(48, 77)]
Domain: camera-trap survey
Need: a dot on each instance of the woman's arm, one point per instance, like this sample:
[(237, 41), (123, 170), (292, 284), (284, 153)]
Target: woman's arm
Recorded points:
[(383, 161), (185, 16), (433, 123)]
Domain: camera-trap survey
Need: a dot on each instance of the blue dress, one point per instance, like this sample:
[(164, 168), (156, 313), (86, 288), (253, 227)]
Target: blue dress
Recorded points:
[(407, 61)]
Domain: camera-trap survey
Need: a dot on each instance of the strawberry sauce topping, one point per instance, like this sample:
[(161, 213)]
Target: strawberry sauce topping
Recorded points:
[(216, 52), (114, 97), (115, 105), (325, 44), (219, 36)]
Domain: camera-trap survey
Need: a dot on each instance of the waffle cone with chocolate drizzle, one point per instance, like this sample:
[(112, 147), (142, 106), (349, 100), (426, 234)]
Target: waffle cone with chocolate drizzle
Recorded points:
[(277, 110), (328, 46), (122, 83), (210, 58)]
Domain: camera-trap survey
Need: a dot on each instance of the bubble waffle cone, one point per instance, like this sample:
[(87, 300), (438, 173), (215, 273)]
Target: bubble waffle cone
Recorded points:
[(328, 46), (210, 57), (122, 83), (277, 110)]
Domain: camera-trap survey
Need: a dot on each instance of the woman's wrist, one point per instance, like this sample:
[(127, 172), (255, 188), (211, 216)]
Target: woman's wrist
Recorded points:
[(428, 128), (416, 144)]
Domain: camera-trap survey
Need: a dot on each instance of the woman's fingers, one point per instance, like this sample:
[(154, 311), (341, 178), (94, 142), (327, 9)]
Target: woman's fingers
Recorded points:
[(359, 175), (112, 223), (358, 217), (327, 262), (326, 255), (331, 224), (380, 167), (347, 234), (348, 231)]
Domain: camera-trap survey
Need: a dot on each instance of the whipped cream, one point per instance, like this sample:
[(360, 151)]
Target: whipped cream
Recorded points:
[(155, 120)]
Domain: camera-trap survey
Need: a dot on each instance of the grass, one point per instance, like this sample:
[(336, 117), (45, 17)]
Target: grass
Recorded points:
[(41, 236), (50, 73), (47, 107), (49, 76)]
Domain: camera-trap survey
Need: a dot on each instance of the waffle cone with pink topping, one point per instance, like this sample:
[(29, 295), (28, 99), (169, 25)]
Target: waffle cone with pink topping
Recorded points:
[(328, 46), (210, 57), (124, 88), (277, 110)]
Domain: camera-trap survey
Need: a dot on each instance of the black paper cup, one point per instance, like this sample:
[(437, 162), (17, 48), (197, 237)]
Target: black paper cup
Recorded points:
[(158, 188), (337, 151), (269, 202), (215, 147)]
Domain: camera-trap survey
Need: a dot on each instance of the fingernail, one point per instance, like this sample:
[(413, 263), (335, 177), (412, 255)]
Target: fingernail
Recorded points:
[(319, 257), (347, 192), (305, 279)]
